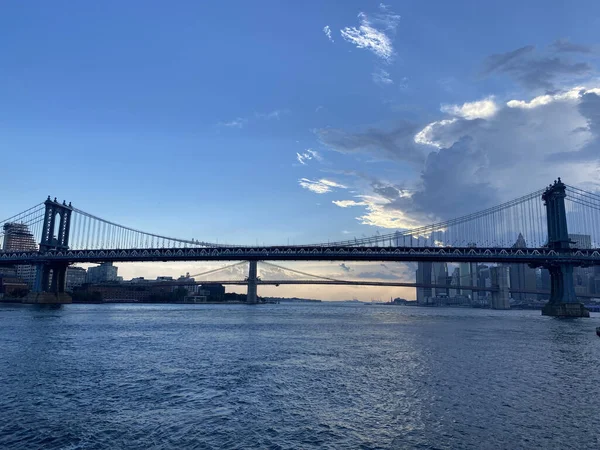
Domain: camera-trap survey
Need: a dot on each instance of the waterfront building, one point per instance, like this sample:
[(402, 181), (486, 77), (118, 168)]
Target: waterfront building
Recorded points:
[(76, 277), (104, 273)]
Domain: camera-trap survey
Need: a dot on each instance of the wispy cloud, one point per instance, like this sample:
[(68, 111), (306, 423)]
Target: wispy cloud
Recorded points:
[(327, 32), (321, 186), (241, 122), (539, 70), (272, 115), (367, 35), (308, 155), (382, 77)]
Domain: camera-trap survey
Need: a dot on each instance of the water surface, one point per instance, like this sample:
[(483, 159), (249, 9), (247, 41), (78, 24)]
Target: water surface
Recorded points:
[(296, 376)]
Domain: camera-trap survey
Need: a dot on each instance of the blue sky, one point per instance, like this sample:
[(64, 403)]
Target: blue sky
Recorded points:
[(195, 119)]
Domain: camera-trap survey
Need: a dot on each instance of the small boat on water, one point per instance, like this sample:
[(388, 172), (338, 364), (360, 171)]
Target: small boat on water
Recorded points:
[(598, 331)]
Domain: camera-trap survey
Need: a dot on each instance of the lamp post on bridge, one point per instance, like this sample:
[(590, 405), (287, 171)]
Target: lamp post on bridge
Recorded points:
[(563, 300)]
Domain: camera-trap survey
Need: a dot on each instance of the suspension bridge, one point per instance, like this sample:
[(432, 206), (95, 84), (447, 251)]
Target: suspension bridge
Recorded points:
[(52, 235)]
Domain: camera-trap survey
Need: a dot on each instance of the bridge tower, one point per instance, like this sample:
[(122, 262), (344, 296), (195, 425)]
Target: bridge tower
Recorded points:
[(51, 277), (251, 297), (563, 301)]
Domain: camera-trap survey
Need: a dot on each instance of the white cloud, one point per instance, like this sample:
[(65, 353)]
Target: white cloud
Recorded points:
[(382, 77), (327, 32), (425, 136), (321, 186), (368, 37), (347, 203), (573, 94), (482, 109), (238, 122), (308, 155)]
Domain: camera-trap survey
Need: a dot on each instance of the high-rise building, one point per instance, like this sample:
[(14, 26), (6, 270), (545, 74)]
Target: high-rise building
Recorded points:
[(104, 273), (424, 272), (468, 277), (455, 281), (17, 237), (522, 277), (583, 277), (440, 277)]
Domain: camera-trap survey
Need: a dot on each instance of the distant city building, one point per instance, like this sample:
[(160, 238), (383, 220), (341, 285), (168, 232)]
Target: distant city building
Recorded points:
[(104, 273), (423, 275), (455, 281), (522, 277), (440, 277), (583, 277), (582, 241), (11, 286), (28, 274), (164, 279), (76, 277), (215, 292), (468, 277)]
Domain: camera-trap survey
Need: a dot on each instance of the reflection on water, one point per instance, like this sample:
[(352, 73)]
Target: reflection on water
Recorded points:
[(295, 376)]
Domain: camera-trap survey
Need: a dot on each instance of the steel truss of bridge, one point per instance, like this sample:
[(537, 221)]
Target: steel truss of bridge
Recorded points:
[(533, 256)]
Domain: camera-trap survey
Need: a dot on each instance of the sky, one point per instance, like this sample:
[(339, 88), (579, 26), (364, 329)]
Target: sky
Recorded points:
[(274, 122)]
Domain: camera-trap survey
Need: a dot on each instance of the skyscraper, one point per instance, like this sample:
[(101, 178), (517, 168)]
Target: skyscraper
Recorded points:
[(522, 277), (424, 270), (440, 277), (583, 277)]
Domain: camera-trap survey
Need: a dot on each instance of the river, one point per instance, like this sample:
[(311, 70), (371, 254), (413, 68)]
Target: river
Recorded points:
[(306, 376)]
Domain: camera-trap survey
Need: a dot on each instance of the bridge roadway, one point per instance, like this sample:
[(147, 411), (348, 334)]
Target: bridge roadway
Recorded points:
[(260, 282), (534, 256)]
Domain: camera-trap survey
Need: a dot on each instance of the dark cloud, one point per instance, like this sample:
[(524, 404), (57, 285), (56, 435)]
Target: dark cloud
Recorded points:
[(565, 46), (395, 144), (499, 60), (534, 70), (589, 107)]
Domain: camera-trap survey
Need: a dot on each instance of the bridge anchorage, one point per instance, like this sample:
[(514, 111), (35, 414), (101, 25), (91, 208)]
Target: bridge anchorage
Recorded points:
[(49, 237)]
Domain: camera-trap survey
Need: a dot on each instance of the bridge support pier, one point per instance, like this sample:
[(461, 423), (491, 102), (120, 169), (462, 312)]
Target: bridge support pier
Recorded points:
[(49, 288), (563, 301), (500, 279), (251, 297)]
